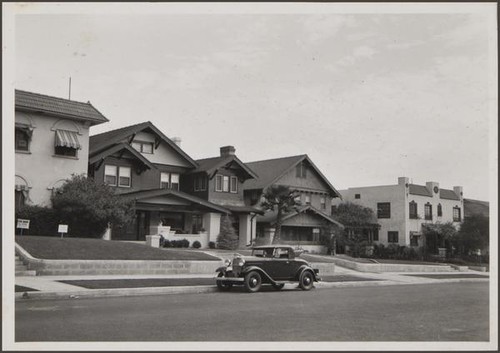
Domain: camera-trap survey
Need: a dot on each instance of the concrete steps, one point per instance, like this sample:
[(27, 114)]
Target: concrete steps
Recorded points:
[(21, 269)]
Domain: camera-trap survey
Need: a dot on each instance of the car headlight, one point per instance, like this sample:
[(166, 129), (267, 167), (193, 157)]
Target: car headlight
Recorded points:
[(227, 262), (239, 262)]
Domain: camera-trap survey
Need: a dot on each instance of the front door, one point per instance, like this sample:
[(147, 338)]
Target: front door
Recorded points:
[(142, 224)]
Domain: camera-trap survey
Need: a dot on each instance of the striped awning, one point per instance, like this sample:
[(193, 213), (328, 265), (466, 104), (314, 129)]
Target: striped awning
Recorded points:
[(66, 138)]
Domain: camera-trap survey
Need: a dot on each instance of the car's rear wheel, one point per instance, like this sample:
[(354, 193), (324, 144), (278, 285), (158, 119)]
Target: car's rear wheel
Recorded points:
[(223, 286), (253, 281), (278, 286), (306, 280)]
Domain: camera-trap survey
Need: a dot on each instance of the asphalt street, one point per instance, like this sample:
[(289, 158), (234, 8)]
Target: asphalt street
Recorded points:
[(427, 312)]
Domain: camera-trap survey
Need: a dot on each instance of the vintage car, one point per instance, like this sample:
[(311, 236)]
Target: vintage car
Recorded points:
[(270, 264)]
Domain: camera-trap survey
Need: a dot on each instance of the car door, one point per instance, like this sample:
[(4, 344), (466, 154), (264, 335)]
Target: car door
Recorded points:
[(284, 265)]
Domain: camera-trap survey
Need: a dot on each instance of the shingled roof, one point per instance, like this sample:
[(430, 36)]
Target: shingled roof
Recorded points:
[(107, 139), (270, 170), (59, 107), (210, 165)]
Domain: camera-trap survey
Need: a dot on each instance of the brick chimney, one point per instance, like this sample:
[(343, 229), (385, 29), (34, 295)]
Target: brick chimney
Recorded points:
[(227, 151)]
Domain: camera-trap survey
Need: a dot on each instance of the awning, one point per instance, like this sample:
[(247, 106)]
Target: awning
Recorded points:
[(66, 138)]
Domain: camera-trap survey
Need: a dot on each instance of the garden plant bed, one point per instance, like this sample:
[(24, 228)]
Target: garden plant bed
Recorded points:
[(448, 276), (52, 248)]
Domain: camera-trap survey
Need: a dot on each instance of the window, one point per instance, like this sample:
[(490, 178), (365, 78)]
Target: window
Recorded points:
[(301, 171), (322, 201), (225, 183), (143, 147), (200, 183), (428, 211), (196, 183), (22, 140), (357, 196), (298, 199), (307, 199), (110, 174), (392, 237), (413, 240), (66, 143), (440, 210), (165, 180), (234, 184), (384, 210), (197, 223), (413, 210), (456, 214), (218, 183), (124, 179), (20, 198), (169, 181), (174, 181)]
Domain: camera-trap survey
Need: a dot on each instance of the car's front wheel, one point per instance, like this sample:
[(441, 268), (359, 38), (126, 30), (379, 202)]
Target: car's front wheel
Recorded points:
[(253, 281), (306, 280), (223, 286)]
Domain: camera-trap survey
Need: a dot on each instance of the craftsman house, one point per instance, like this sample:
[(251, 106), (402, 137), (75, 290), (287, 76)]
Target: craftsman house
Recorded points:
[(174, 195), (306, 223), (51, 144)]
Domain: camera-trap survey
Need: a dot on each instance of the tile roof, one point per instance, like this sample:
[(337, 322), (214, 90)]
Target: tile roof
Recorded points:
[(419, 190), (210, 165), (476, 207), (270, 170), (448, 194), (34, 102), (99, 142)]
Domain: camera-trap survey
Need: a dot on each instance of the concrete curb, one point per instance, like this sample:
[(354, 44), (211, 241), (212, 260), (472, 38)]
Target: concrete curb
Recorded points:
[(123, 292)]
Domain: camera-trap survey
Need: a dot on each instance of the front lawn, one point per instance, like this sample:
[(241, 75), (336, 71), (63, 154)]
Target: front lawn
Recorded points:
[(97, 249)]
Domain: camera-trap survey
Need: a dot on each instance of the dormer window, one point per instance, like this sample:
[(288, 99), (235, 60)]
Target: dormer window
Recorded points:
[(143, 147)]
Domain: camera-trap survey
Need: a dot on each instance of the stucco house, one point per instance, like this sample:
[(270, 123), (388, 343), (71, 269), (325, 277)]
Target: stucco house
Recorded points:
[(304, 225), (174, 195), (51, 143), (403, 208)]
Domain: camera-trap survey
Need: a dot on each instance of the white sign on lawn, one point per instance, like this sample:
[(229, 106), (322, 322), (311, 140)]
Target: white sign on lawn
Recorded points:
[(23, 223), (63, 228)]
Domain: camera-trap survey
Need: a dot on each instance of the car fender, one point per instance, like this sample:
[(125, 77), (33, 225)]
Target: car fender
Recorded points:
[(221, 269), (258, 269), (306, 268)]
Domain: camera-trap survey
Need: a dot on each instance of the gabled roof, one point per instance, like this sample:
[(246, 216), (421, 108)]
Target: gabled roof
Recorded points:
[(143, 194), (448, 194), (104, 140), (270, 217), (60, 107), (419, 190), (472, 207), (211, 165), (121, 146), (271, 170)]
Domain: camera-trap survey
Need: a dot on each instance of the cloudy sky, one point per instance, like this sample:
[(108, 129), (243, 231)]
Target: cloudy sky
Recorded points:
[(369, 96)]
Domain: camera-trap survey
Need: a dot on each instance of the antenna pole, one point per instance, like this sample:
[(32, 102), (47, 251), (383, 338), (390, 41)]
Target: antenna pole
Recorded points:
[(69, 88)]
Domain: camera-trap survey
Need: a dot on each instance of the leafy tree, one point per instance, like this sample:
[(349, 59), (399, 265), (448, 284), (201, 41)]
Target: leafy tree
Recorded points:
[(356, 219), (88, 207), (439, 235), (227, 238), (282, 199), (474, 234)]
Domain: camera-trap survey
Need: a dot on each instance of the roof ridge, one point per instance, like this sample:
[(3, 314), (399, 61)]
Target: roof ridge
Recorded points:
[(120, 128), (55, 97), (273, 159)]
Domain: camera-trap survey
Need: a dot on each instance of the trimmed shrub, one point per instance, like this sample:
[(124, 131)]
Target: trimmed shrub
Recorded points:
[(167, 243), (196, 244), (44, 221), (211, 245), (185, 243), (227, 239)]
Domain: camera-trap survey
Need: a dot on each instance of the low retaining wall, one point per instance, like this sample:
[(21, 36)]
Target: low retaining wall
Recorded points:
[(325, 268), (114, 267), (364, 267)]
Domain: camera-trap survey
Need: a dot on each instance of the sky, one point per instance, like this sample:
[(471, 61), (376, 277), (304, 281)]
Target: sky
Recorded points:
[(369, 95)]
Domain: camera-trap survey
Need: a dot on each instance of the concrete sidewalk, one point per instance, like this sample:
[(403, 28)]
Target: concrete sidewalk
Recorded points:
[(51, 287)]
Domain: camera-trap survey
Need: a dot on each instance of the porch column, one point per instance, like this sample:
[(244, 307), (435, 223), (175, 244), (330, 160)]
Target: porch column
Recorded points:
[(211, 223), (269, 235), (245, 231)]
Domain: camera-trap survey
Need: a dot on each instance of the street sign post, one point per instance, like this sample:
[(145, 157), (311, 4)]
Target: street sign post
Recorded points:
[(23, 224), (63, 228)]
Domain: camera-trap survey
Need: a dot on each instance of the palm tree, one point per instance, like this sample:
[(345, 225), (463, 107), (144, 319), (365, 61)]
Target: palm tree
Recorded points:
[(282, 199)]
